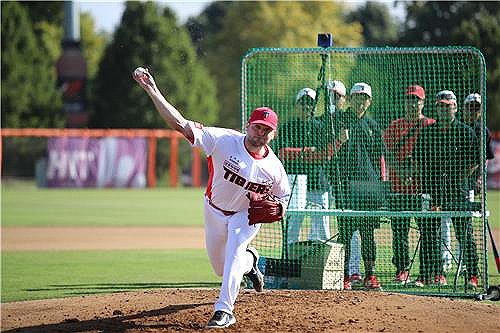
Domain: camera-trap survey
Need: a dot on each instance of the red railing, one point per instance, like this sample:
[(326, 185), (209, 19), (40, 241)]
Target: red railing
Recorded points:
[(151, 134)]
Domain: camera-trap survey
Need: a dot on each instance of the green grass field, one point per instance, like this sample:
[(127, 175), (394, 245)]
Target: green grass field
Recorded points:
[(493, 202), (25, 205), (50, 274)]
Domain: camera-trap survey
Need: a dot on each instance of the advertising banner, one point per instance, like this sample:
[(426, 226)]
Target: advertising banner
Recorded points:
[(493, 168), (96, 162)]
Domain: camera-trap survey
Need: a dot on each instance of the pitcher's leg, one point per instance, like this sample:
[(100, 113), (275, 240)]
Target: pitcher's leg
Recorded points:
[(238, 260), (215, 237)]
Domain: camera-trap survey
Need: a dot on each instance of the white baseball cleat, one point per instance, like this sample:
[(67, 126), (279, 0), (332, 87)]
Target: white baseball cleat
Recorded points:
[(255, 275), (221, 319)]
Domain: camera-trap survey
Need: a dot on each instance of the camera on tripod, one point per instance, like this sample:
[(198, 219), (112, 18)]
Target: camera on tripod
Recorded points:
[(325, 40)]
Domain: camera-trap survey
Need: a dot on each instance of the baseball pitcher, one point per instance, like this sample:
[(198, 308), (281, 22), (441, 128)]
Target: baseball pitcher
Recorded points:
[(247, 186)]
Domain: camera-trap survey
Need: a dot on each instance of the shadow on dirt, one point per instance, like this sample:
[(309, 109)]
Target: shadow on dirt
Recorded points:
[(119, 323)]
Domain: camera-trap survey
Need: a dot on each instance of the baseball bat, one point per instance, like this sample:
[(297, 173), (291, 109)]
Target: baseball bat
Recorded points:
[(493, 245)]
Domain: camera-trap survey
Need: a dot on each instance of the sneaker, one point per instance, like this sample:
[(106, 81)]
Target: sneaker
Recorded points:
[(356, 278), (221, 319), (402, 277), (255, 275), (347, 284), (440, 280), (420, 283), (371, 283), (473, 282)]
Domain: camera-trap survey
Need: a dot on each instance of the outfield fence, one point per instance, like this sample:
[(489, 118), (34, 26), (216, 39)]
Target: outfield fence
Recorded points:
[(150, 135)]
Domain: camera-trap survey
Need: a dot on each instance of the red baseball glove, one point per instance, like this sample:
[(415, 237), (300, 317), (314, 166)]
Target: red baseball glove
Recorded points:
[(264, 208)]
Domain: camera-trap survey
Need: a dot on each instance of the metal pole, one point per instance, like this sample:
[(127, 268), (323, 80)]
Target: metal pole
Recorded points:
[(72, 20)]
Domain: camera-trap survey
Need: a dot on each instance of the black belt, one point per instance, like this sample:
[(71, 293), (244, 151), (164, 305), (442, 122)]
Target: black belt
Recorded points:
[(225, 212)]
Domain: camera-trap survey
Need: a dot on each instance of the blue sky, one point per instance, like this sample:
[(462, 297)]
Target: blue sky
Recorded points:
[(107, 14)]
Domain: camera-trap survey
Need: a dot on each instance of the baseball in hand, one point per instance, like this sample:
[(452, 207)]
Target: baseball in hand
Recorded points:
[(139, 71)]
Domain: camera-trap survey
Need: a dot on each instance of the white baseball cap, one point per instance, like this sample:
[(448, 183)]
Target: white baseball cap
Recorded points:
[(361, 88), (306, 92), (473, 98), (337, 86), (446, 96)]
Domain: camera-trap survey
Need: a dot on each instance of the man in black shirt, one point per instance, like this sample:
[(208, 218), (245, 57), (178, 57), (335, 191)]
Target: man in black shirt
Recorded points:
[(303, 149), (336, 112), (359, 157), (447, 154), (472, 116)]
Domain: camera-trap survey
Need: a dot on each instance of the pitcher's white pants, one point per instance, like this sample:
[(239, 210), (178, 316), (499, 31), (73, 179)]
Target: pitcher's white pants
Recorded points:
[(227, 238)]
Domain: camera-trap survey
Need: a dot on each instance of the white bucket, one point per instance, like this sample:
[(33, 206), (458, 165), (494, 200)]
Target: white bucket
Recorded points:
[(298, 184)]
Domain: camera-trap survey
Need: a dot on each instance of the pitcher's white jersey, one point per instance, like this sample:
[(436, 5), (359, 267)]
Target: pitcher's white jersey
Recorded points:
[(233, 171)]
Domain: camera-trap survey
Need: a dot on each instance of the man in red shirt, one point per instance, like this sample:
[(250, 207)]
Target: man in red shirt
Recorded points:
[(400, 139)]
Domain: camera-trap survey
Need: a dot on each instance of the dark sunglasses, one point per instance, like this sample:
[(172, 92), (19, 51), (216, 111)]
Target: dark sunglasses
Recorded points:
[(412, 98)]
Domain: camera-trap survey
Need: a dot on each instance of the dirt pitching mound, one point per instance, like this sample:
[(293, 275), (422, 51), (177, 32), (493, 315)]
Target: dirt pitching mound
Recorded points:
[(188, 310)]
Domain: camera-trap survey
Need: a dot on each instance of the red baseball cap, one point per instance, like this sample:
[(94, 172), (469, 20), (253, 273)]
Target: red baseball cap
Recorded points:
[(265, 116), (416, 90)]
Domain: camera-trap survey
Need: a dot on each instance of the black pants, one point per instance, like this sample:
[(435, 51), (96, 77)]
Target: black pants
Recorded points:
[(430, 248), (400, 244), (366, 227), (468, 250)]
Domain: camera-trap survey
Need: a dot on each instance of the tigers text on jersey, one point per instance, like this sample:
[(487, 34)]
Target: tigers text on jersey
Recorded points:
[(233, 172)]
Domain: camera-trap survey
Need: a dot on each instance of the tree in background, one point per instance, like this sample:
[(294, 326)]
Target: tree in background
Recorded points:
[(460, 23), (222, 34), (209, 22), (483, 31), (48, 11), (240, 26), (92, 43), (48, 20), (148, 35), (29, 95), (379, 27), (31, 44)]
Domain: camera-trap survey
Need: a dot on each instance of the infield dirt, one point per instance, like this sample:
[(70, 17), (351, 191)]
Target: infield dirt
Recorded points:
[(187, 310)]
